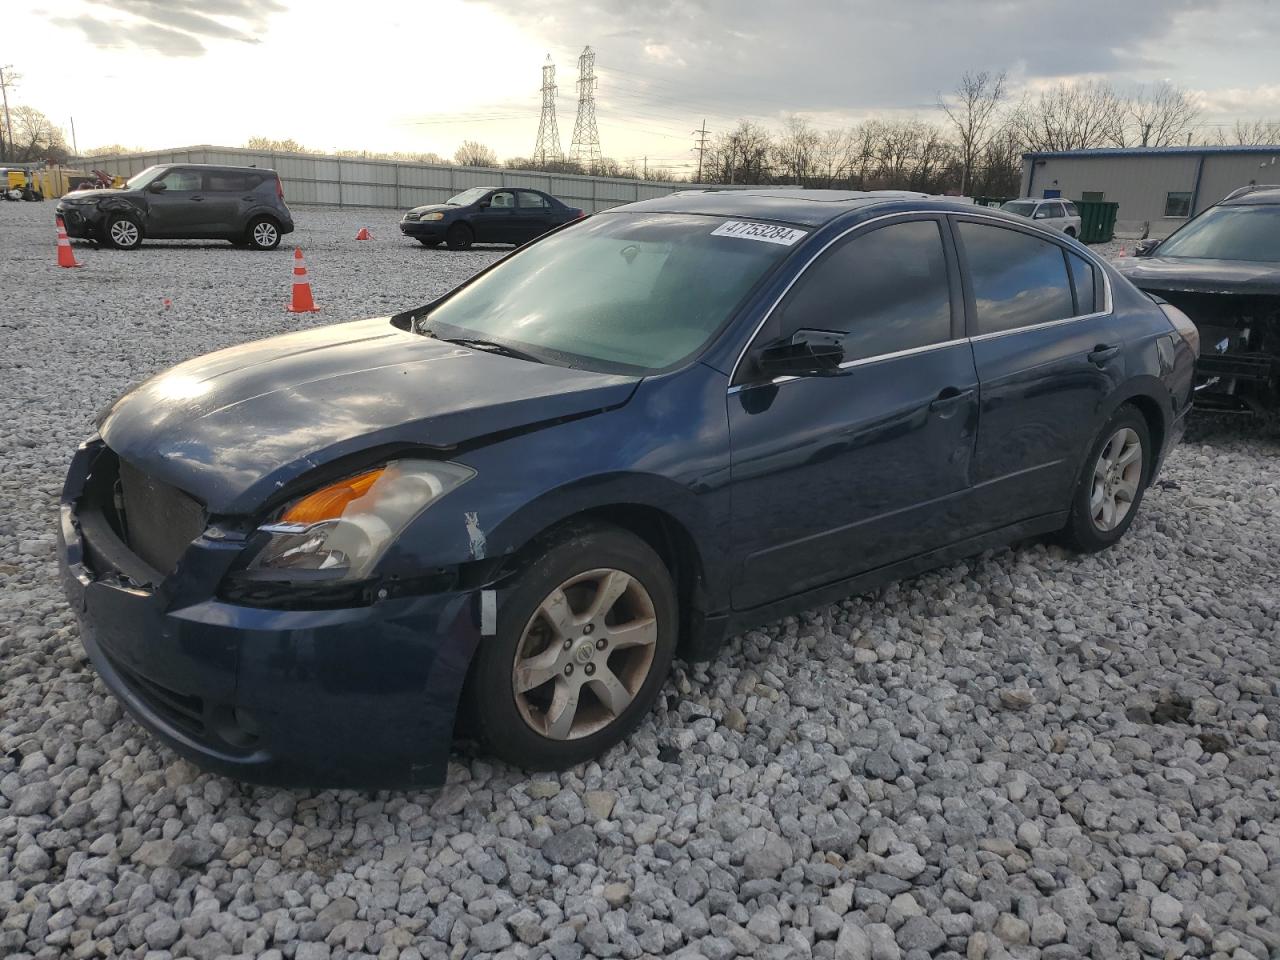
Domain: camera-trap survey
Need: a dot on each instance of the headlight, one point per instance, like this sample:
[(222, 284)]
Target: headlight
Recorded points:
[(434, 215), (341, 531)]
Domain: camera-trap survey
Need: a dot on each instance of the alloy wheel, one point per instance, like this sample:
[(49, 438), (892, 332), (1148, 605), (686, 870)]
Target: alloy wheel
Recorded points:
[(265, 234), (584, 654), (1116, 477), (124, 233)]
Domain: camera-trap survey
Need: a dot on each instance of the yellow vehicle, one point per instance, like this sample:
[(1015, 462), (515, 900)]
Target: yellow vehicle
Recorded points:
[(19, 184)]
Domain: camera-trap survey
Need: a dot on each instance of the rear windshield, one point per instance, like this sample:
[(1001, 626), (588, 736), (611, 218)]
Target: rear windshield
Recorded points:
[(1246, 232), (618, 292)]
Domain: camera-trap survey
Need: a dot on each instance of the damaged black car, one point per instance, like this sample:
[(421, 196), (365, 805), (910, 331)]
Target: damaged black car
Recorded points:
[(1222, 269)]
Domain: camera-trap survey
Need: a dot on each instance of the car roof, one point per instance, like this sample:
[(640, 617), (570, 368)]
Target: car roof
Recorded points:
[(216, 166), (1263, 194), (809, 208)]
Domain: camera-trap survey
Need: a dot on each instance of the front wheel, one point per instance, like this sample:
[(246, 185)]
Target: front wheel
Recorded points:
[(1115, 477), (263, 233), (1070, 231), (123, 232), (459, 237), (584, 642)]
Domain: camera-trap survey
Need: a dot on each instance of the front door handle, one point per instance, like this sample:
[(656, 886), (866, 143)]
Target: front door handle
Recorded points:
[(949, 400), (1103, 352), (197, 199)]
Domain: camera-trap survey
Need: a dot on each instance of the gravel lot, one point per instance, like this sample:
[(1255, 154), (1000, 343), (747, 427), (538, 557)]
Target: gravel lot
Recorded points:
[(1030, 754)]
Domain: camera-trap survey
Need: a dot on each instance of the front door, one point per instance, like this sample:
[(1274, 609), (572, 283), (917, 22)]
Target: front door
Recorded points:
[(835, 475), (178, 211), (1047, 357), (496, 222)]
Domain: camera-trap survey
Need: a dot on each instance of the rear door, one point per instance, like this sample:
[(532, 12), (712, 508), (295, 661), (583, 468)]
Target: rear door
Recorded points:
[(227, 194), (533, 214), (1047, 356), (495, 223), (179, 210), (835, 475)]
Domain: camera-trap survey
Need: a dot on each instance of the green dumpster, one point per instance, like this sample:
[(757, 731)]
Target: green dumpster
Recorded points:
[(1097, 220)]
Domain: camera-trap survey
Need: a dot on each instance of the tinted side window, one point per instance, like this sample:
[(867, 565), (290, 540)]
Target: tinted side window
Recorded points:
[(502, 200), (181, 180), (1082, 274), (231, 181), (530, 200), (1018, 280), (887, 290)]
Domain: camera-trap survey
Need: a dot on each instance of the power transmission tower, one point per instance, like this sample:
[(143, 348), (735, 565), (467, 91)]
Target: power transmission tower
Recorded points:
[(585, 146), (548, 147), (7, 79), (701, 146)]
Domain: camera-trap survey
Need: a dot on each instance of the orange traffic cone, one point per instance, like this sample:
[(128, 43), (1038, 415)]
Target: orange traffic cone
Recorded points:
[(66, 256), (302, 302), (364, 234)]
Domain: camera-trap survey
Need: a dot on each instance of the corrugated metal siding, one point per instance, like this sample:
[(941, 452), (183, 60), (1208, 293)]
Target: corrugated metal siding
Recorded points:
[(313, 179), (1139, 184), (1222, 174)]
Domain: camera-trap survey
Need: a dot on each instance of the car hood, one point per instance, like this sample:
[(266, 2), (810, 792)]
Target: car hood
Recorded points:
[(234, 427), (430, 207), (95, 194), (1201, 276)]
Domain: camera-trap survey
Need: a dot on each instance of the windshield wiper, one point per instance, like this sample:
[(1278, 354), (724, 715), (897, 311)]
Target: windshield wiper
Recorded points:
[(488, 346)]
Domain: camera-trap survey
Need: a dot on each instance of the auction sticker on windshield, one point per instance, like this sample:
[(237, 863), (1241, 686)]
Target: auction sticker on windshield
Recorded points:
[(766, 232)]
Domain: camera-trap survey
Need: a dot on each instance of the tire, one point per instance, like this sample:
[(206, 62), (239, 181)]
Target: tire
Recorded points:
[(428, 243), (1113, 479), (122, 232), (262, 233), (525, 728), (1070, 231), (459, 237)]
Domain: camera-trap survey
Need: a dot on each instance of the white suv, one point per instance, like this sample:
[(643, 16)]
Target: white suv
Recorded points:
[(1054, 214)]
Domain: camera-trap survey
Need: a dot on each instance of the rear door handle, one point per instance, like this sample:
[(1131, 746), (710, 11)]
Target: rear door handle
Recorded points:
[(948, 400), (1102, 353), (197, 199)]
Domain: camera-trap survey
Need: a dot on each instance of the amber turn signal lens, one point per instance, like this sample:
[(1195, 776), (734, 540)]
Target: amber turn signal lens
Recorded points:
[(329, 503)]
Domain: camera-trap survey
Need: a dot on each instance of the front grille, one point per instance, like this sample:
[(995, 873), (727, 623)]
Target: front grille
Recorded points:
[(181, 710), (160, 521)]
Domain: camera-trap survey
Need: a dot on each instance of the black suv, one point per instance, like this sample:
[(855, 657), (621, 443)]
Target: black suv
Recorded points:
[(1223, 269), (190, 201)]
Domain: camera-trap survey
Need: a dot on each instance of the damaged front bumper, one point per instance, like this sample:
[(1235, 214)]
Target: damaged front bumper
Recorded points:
[(359, 697)]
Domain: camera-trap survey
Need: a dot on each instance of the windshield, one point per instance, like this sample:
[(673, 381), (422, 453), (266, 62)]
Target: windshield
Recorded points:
[(622, 292), (1024, 208), (1247, 232), (140, 180), (467, 197)]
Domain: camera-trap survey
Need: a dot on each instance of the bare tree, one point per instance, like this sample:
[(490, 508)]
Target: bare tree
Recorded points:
[(288, 145), (796, 150), (1069, 116), (973, 112), (1251, 133), (739, 156), (1160, 117), (833, 157), (35, 137), (472, 153)]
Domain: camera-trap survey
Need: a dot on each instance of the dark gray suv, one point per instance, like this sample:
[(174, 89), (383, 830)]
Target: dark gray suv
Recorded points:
[(191, 201)]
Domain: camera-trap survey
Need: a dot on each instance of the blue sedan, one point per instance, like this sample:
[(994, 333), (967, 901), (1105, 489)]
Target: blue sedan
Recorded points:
[(479, 215), (297, 560)]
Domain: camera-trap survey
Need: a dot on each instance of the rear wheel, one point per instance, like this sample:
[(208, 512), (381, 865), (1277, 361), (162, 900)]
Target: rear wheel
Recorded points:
[(1115, 477), (122, 231), (263, 233), (584, 642), (459, 237)]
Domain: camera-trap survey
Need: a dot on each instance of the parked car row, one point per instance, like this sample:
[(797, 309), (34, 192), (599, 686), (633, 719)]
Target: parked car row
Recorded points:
[(632, 438), (246, 206)]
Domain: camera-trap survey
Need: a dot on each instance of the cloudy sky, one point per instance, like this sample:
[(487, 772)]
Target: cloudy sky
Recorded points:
[(425, 74)]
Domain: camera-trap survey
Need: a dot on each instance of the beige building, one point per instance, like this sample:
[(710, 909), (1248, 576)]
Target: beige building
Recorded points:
[(1160, 185)]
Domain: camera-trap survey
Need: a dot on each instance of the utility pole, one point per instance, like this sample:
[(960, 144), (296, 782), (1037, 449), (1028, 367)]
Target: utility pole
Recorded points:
[(74, 149), (584, 147), (701, 146), (7, 77), (548, 146), (646, 169)]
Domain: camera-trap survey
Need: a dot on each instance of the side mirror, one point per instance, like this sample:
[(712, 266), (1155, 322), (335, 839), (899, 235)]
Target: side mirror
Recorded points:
[(1145, 248), (157, 187), (484, 204), (806, 353)]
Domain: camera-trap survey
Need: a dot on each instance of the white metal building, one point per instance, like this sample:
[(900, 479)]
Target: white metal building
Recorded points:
[(1161, 185)]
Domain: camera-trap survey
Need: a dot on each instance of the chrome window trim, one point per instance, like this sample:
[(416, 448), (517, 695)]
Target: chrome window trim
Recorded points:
[(1084, 254)]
